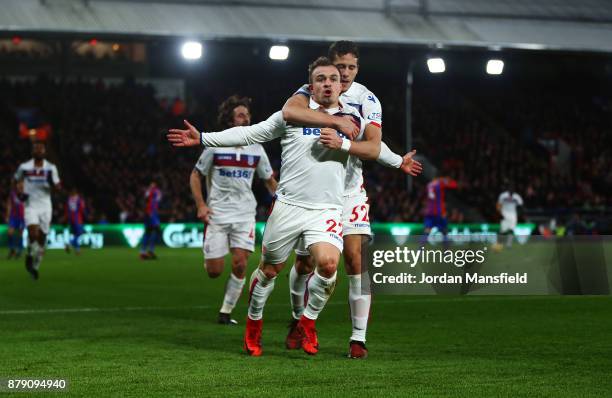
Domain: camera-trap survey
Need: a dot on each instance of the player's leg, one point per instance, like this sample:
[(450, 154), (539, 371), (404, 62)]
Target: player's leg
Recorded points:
[(360, 299), (242, 244), (11, 241), (32, 249), (298, 278), (155, 232), (234, 285), (71, 242), (44, 225), (506, 229), (144, 244), (76, 243), (322, 237), (319, 289), (357, 231), (215, 247), (283, 229), (428, 224), (18, 239), (442, 224)]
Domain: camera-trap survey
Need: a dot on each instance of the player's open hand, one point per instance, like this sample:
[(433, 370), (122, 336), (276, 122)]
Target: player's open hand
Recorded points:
[(204, 213), (330, 138), (411, 166), (347, 126), (188, 137)]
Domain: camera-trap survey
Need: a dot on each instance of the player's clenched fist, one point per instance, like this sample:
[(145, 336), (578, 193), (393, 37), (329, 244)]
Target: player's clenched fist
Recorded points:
[(204, 213), (346, 125), (330, 138)]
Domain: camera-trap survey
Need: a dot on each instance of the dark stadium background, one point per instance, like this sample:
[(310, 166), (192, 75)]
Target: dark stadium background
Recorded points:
[(479, 128)]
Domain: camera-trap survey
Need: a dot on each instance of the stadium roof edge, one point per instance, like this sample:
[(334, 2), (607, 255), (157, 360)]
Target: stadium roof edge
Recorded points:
[(213, 20)]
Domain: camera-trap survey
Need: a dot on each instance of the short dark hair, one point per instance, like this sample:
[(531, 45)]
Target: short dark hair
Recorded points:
[(342, 47), (225, 117), (321, 61)]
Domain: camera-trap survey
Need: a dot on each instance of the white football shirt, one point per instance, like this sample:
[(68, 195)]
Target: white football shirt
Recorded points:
[(229, 173), (369, 107), (311, 175), (509, 201), (37, 182)]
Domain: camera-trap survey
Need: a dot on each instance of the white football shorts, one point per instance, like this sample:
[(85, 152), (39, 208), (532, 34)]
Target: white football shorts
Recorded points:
[(40, 216), (289, 224), (219, 238)]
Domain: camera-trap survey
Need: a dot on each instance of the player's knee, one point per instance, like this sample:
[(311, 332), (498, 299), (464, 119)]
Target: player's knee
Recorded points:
[(327, 265), (270, 272), (214, 269), (303, 266), (239, 265)]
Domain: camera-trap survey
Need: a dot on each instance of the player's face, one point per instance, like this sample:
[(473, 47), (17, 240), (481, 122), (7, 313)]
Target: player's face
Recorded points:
[(242, 116), (348, 67), (38, 151), (326, 85)]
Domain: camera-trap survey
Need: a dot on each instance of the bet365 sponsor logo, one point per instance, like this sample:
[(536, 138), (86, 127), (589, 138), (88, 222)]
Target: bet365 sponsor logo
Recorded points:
[(317, 132)]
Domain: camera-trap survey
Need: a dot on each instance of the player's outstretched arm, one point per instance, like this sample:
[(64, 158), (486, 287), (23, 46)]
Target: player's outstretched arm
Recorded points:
[(366, 149), (296, 111), (388, 158), (8, 210), (235, 136)]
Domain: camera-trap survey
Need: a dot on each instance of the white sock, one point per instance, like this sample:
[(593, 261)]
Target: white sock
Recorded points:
[(297, 289), (36, 251), (233, 289), (261, 287), (33, 248), (319, 291), (360, 307)]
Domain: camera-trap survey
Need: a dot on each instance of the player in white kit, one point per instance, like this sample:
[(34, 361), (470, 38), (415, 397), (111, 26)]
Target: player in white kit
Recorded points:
[(39, 176), (309, 198), (355, 214), (507, 205), (230, 212)]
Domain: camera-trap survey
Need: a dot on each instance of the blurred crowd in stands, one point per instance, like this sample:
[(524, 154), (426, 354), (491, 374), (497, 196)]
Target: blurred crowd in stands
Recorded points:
[(553, 147)]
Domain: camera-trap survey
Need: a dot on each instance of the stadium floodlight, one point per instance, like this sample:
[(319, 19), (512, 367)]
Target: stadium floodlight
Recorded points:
[(495, 67), (436, 65), (192, 50), (279, 53)]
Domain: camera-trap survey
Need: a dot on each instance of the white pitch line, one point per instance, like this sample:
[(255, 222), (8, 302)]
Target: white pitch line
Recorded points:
[(204, 307)]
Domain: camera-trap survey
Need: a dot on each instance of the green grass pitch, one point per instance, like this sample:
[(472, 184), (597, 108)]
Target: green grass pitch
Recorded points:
[(115, 325)]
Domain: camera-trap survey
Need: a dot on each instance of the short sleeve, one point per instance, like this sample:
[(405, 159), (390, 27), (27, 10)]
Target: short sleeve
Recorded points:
[(371, 109), (519, 199), (204, 163), (19, 173), (55, 175), (304, 90)]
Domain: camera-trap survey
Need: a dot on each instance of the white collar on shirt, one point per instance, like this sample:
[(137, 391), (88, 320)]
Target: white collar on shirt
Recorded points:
[(331, 111)]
